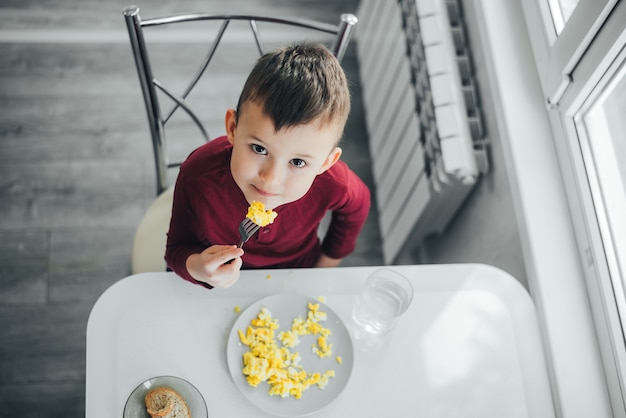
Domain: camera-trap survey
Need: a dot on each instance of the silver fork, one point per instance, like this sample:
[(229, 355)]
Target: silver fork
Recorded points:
[(247, 228)]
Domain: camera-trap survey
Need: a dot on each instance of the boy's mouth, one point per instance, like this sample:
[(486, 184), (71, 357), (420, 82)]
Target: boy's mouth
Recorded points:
[(264, 193)]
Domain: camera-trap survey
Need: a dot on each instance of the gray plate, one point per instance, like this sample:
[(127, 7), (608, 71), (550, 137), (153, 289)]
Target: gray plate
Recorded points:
[(136, 406), (285, 308)]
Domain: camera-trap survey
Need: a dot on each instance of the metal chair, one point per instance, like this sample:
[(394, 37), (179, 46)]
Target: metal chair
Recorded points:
[(150, 237)]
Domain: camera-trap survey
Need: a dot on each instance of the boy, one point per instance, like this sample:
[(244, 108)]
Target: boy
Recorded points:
[(280, 149)]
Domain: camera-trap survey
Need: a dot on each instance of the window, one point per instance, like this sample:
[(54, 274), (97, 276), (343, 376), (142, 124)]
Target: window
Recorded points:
[(598, 141), (602, 133), (561, 32), (580, 53), (561, 11)]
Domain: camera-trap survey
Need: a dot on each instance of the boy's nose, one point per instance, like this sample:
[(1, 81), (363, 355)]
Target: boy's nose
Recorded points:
[(270, 174)]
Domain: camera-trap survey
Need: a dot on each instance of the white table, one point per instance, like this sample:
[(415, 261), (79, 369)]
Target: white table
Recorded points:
[(468, 346)]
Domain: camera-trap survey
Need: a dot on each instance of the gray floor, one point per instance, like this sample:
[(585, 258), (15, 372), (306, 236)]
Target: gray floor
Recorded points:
[(75, 177)]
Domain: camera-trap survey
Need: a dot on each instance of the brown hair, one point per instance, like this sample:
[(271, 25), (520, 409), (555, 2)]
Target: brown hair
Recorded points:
[(298, 84)]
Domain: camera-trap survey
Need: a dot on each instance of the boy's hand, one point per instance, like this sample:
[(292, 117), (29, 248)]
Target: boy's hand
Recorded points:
[(326, 261), (210, 266)]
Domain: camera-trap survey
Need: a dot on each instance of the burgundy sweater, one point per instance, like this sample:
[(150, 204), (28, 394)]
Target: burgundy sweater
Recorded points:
[(208, 207)]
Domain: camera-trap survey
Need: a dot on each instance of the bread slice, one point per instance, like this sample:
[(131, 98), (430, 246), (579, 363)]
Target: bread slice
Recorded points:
[(164, 402)]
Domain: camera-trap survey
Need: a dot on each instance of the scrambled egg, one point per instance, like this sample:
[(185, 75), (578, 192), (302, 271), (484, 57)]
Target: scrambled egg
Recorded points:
[(260, 216), (278, 366)]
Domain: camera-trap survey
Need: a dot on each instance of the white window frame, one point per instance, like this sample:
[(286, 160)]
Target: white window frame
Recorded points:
[(557, 56), (573, 69)]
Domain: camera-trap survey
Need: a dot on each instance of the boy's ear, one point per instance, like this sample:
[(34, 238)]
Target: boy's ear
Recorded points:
[(230, 122), (332, 158)]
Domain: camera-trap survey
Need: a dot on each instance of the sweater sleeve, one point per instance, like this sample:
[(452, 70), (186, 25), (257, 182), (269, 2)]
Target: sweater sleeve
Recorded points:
[(182, 240), (348, 216)]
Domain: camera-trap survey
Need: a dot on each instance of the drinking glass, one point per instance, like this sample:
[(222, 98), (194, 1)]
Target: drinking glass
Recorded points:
[(385, 296)]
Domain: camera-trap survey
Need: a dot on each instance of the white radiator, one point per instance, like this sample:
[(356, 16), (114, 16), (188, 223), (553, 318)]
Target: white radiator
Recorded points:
[(422, 114)]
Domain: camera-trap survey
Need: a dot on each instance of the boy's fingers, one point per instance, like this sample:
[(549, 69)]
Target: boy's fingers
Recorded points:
[(227, 256), (216, 249), (231, 281), (229, 273), (236, 263)]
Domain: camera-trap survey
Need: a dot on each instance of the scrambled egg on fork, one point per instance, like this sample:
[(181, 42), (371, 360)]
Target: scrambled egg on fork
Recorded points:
[(278, 366), (260, 216)]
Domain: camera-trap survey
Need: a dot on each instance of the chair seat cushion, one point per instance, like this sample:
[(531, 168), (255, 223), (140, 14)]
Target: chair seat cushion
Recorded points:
[(149, 243)]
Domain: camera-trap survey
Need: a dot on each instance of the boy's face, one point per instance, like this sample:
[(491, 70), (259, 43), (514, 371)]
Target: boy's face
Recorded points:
[(277, 167)]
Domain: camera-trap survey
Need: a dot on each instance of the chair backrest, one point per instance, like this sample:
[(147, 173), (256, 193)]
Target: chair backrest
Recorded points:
[(154, 89)]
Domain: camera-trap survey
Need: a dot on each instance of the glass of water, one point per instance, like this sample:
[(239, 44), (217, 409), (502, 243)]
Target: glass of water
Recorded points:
[(385, 296)]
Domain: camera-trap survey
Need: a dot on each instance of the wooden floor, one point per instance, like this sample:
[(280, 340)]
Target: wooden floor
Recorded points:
[(76, 175)]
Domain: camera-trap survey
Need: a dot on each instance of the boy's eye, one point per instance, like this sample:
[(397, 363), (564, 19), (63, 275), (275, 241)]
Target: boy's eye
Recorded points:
[(297, 162), (259, 149)]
